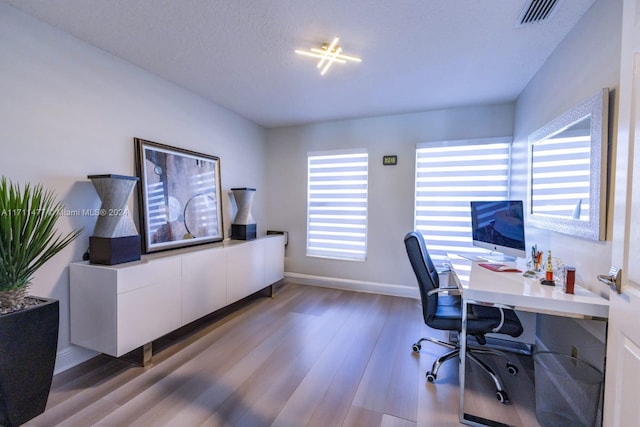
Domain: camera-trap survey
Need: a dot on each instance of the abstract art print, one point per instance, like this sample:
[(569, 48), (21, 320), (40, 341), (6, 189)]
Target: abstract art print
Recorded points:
[(180, 196)]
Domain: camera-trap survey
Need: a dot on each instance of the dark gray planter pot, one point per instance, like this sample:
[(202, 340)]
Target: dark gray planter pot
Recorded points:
[(28, 346)]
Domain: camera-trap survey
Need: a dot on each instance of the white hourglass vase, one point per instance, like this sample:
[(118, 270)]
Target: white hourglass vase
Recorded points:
[(244, 201), (113, 218), (243, 226)]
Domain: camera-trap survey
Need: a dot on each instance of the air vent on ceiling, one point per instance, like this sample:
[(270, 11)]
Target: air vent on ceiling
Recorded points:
[(537, 10)]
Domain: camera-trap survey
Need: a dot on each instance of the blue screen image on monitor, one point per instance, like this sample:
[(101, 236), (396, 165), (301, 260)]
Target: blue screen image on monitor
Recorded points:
[(498, 225)]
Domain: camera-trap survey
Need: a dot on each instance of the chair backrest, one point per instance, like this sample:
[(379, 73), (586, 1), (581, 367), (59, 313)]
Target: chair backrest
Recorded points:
[(425, 272)]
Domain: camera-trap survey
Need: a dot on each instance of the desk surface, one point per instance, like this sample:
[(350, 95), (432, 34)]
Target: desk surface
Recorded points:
[(527, 294)]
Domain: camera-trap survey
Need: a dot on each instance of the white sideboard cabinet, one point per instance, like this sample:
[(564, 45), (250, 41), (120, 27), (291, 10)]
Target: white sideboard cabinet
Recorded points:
[(119, 308)]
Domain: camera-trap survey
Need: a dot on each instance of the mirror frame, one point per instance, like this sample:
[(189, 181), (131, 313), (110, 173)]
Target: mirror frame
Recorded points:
[(597, 106)]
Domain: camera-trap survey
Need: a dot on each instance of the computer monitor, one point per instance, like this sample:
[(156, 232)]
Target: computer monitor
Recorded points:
[(498, 225)]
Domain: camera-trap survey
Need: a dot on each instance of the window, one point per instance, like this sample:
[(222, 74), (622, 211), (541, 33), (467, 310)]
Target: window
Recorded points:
[(448, 176), (337, 184)]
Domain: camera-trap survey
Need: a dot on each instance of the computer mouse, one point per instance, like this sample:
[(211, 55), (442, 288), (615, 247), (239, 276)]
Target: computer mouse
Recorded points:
[(529, 273)]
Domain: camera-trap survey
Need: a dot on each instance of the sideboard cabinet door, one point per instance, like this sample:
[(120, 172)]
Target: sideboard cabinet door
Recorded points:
[(245, 269), (204, 283)]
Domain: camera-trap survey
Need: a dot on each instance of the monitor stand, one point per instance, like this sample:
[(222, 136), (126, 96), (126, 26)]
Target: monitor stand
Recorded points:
[(498, 257)]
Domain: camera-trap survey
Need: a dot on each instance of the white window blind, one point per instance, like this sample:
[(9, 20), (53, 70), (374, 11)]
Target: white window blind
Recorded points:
[(337, 188), (448, 176)]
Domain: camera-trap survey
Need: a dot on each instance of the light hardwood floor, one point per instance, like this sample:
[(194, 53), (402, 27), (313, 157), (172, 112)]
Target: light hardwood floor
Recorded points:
[(307, 357)]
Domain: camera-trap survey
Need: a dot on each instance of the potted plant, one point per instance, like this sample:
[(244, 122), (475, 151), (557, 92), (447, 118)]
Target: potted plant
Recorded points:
[(28, 324)]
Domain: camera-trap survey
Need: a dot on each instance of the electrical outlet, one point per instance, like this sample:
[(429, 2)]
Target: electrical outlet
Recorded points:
[(574, 354)]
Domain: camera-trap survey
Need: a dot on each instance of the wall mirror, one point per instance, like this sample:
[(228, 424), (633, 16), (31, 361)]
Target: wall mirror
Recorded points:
[(568, 171)]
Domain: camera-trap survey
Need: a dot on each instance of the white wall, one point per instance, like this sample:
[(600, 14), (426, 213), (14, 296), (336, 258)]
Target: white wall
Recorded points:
[(585, 62), (391, 188), (68, 110)]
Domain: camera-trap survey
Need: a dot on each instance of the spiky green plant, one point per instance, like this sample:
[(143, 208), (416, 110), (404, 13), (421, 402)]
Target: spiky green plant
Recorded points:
[(28, 237)]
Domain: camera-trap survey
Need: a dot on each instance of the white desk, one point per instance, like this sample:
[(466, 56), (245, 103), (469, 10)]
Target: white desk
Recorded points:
[(479, 285)]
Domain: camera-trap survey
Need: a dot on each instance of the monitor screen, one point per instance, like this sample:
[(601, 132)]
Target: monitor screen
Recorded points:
[(499, 226)]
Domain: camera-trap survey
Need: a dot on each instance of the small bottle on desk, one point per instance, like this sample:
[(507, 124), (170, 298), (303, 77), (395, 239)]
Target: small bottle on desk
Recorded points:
[(549, 271)]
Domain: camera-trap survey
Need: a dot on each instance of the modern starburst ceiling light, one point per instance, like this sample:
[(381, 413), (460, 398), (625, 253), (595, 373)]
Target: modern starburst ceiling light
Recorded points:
[(328, 54)]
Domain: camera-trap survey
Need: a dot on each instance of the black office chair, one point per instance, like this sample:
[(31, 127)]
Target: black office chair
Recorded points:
[(442, 309)]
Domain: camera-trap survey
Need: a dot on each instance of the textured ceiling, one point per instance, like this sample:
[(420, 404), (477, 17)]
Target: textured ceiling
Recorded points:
[(417, 54)]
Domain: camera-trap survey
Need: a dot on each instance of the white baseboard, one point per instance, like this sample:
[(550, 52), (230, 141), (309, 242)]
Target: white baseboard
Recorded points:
[(71, 356), (355, 285)]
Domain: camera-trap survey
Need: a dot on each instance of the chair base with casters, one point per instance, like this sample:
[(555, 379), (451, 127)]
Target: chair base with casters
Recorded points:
[(432, 375)]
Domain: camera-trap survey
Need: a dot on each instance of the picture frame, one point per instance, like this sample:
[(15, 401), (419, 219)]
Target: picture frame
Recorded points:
[(179, 195)]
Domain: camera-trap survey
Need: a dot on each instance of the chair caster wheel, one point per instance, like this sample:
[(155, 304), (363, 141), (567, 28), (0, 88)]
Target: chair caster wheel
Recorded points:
[(502, 396), (416, 347), (512, 369), (431, 377)]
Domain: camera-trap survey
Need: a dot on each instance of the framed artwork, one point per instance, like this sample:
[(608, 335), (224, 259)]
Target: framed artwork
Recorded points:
[(179, 196)]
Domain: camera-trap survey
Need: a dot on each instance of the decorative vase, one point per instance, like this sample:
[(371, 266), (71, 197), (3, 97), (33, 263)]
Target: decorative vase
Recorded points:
[(115, 238), (243, 226)]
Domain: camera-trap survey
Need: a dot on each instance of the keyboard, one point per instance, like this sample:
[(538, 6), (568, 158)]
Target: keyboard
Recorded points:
[(473, 258)]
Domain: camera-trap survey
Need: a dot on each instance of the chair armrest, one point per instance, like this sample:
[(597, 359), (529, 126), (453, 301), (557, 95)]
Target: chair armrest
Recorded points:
[(501, 308), (449, 291), (490, 314), (497, 328)]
